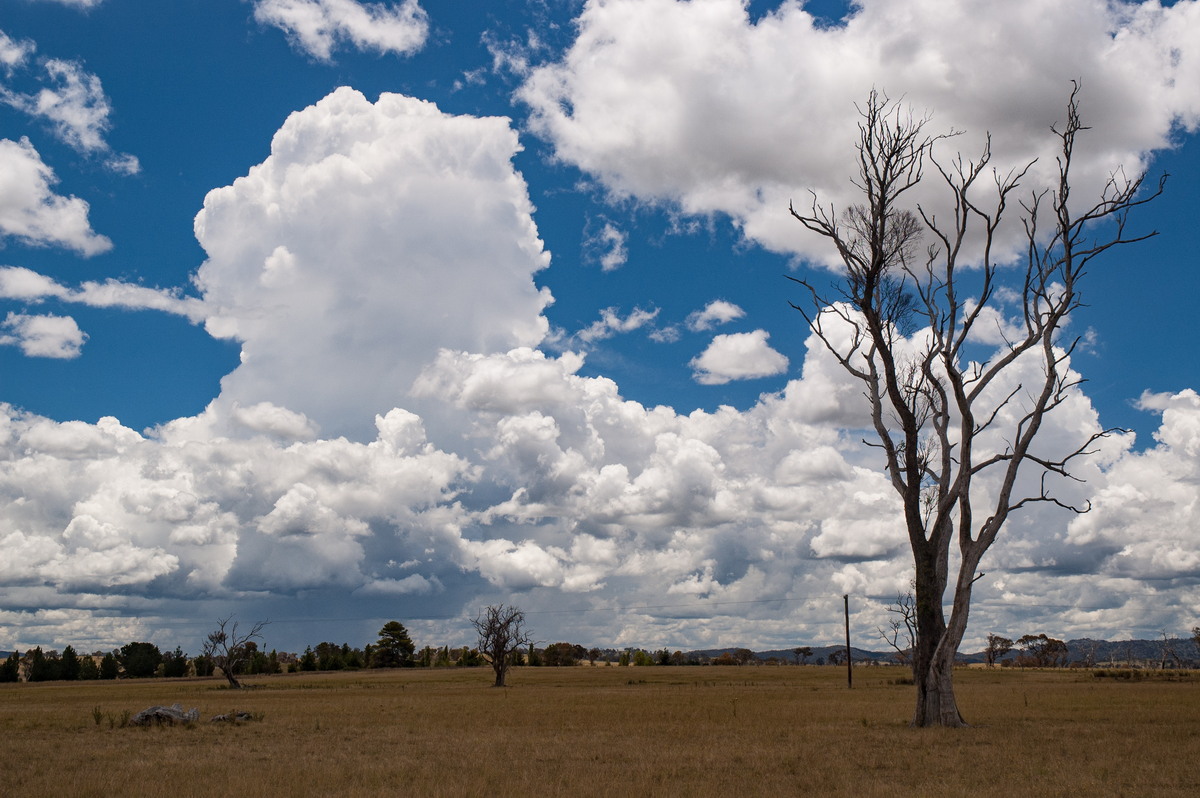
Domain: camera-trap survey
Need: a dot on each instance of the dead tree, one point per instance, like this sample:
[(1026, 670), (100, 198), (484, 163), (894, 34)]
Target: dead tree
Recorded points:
[(902, 629), (501, 635), (901, 322), (229, 650)]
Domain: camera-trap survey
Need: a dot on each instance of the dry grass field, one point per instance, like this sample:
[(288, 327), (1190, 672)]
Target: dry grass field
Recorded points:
[(585, 731)]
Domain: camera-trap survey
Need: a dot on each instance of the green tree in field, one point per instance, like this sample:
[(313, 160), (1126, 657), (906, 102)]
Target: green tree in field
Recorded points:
[(997, 647), (109, 667), (204, 666), (139, 660), (802, 654), (329, 657), (352, 658), (258, 661), (468, 658), (175, 664), (68, 665), (308, 661), (42, 667), (10, 671), (558, 654), (394, 649), (1040, 651), (88, 670)]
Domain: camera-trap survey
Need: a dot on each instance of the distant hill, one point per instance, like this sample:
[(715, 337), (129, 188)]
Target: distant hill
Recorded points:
[(1095, 653)]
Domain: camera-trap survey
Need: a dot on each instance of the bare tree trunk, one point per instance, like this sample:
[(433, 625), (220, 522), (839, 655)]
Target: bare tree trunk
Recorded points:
[(229, 677), (934, 652)]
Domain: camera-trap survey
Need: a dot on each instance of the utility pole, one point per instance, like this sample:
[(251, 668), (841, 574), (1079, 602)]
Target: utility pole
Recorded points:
[(849, 662)]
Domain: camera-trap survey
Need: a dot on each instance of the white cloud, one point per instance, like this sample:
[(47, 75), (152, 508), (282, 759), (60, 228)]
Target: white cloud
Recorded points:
[(75, 104), (387, 229), (318, 26), (609, 247), (80, 4), (49, 336), (31, 212), (14, 52), (18, 282), (714, 113), (739, 356), (269, 419), (569, 494), (610, 323), (716, 312), (1145, 510)]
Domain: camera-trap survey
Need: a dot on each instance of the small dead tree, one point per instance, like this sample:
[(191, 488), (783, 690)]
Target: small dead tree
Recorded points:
[(229, 649), (1168, 652), (954, 429), (901, 633), (502, 634)]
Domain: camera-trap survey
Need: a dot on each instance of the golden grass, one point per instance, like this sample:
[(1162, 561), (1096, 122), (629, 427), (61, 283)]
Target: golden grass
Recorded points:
[(707, 731)]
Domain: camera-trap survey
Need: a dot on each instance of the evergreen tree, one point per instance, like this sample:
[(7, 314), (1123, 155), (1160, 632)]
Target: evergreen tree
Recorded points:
[(329, 657), (394, 648), (139, 660), (204, 665), (109, 667), (88, 670), (68, 664), (42, 667), (308, 662), (10, 671), (175, 664)]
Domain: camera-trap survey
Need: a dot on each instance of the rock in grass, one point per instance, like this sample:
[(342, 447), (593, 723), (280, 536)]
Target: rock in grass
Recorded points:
[(165, 715)]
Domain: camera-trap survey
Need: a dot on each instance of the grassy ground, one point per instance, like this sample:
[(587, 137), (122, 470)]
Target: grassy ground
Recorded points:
[(606, 731)]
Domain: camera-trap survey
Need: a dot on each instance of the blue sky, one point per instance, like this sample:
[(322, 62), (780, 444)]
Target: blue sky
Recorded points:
[(552, 238)]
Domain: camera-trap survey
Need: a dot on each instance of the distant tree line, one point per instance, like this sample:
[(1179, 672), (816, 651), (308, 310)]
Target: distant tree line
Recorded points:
[(395, 649)]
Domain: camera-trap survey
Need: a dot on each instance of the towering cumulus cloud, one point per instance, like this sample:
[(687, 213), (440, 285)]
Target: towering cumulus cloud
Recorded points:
[(374, 235)]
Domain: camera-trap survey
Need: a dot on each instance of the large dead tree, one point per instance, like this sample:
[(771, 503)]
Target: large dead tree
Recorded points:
[(903, 320), (502, 634), (230, 650)]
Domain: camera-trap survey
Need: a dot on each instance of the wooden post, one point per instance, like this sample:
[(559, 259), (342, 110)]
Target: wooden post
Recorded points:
[(849, 662)]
